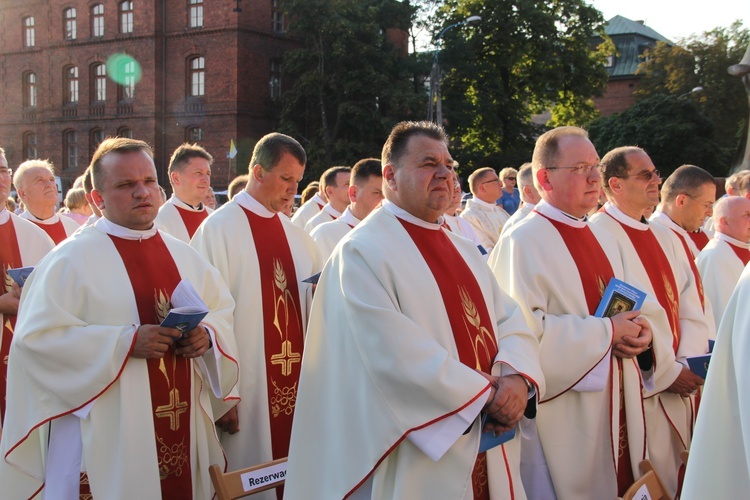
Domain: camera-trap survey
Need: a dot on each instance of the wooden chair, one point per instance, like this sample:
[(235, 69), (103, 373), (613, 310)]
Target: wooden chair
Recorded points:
[(648, 487), (245, 482)]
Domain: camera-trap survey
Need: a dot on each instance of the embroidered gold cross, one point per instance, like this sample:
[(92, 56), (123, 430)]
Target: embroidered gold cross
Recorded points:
[(286, 358), (173, 410)]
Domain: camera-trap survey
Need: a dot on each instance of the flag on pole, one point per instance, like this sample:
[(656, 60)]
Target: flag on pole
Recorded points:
[(232, 150)]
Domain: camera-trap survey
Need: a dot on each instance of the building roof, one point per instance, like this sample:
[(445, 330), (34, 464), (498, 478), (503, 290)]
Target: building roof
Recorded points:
[(619, 25), (631, 38)]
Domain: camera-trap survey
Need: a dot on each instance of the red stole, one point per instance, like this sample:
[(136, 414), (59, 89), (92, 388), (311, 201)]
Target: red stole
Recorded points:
[(320, 207), (192, 219), (154, 275), (282, 326), (691, 259), (55, 231), (742, 253), (699, 238), (10, 258), (660, 275), (469, 317), (595, 271)]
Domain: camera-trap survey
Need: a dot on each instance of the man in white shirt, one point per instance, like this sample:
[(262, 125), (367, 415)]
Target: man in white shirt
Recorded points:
[(485, 216), (190, 175), (336, 181), (529, 196), (35, 184), (410, 340), (365, 193)]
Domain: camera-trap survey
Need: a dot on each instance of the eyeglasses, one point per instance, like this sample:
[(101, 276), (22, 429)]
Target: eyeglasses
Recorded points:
[(487, 182), (645, 175), (580, 169), (5, 172), (510, 178), (706, 204)]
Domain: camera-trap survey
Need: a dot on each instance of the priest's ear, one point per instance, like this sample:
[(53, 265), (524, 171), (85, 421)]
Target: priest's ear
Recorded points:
[(389, 176), (96, 197), (615, 184), (257, 172)]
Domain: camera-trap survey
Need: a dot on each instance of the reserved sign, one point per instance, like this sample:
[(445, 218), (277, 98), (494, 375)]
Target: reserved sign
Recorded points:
[(263, 477)]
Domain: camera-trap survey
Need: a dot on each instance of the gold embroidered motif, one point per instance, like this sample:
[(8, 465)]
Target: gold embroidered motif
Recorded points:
[(483, 341), (172, 459), (279, 276), (173, 410), (8, 281), (673, 305), (601, 284), (284, 399), (286, 358), (9, 327), (161, 304)]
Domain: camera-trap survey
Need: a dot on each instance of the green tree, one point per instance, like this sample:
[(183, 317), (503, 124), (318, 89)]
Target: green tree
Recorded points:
[(702, 60), (525, 57), (671, 129), (352, 83)]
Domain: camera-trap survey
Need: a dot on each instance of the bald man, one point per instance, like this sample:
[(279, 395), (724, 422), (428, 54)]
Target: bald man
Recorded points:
[(721, 262)]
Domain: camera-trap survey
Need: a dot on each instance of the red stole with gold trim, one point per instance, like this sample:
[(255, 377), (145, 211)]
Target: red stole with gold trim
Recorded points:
[(154, 275), (660, 274), (595, 271), (191, 219), (691, 259), (469, 317), (55, 231), (699, 238), (282, 326), (10, 258), (742, 253)]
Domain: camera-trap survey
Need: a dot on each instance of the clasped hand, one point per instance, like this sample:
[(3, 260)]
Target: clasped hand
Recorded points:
[(506, 402), (631, 334), (153, 341)]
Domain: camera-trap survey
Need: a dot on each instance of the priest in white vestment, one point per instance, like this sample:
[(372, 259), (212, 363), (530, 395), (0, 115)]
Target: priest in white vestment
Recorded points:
[(718, 466), (35, 184), (264, 259), (94, 383), (88, 186), (721, 262), (650, 254), (458, 225), (410, 339), (22, 244), (556, 265), (190, 176), (529, 196), (485, 216), (336, 182), (310, 208), (365, 194)]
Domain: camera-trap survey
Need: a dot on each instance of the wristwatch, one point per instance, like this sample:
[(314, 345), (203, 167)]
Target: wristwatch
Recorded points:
[(529, 385)]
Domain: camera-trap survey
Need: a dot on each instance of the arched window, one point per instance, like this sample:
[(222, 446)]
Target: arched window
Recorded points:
[(277, 17), (29, 37), (70, 149), (126, 16), (29, 90), (126, 91), (125, 132), (194, 134), (274, 81), (70, 89), (197, 73), (97, 20), (96, 136), (29, 146), (69, 19), (196, 13), (99, 82)]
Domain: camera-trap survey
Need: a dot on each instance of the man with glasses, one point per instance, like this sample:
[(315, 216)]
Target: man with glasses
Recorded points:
[(590, 426), (529, 196), (481, 211), (263, 258), (649, 253), (510, 198), (22, 244)]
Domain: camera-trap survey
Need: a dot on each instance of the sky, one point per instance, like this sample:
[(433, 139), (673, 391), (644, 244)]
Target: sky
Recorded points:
[(676, 19)]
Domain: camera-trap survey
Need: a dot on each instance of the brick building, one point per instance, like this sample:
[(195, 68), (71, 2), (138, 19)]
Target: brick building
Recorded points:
[(631, 39), (165, 71)]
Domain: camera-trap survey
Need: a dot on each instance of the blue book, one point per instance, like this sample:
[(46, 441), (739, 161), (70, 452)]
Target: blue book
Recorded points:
[(699, 364), (711, 343), (313, 279), (20, 274), (490, 440), (184, 319), (619, 297)]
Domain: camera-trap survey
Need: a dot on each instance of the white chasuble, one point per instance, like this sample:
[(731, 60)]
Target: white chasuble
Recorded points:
[(180, 219), (307, 211), (328, 234)]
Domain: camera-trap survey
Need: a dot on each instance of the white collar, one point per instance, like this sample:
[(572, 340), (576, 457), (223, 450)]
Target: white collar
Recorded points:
[(107, 226), (317, 199), (484, 204), (29, 216), (4, 215), (558, 215), (665, 220), (349, 218), (245, 200), (624, 218), (174, 200), (331, 211), (402, 214), (723, 237)]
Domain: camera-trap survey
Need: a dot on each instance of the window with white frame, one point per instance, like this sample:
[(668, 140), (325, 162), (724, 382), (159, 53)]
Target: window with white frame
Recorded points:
[(97, 20), (71, 85), (196, 13), (29, 38), (197, 77), (29, 90), (126, 16), (69, 16)]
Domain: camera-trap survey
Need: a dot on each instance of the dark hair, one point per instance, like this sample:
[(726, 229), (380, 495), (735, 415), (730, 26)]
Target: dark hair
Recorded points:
[(615, 164), (114, 145), (186, 152), (395, 145), (688, 180), (329, 176), (364, 169), (270, 148), (237, 185)]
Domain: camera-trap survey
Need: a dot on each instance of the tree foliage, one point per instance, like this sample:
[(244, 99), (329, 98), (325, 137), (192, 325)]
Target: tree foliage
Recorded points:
[(671, 130), (525, 57), (351, 82), (702, 60)]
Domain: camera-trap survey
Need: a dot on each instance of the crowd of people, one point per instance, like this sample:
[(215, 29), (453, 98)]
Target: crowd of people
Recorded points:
[(378, 335)]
